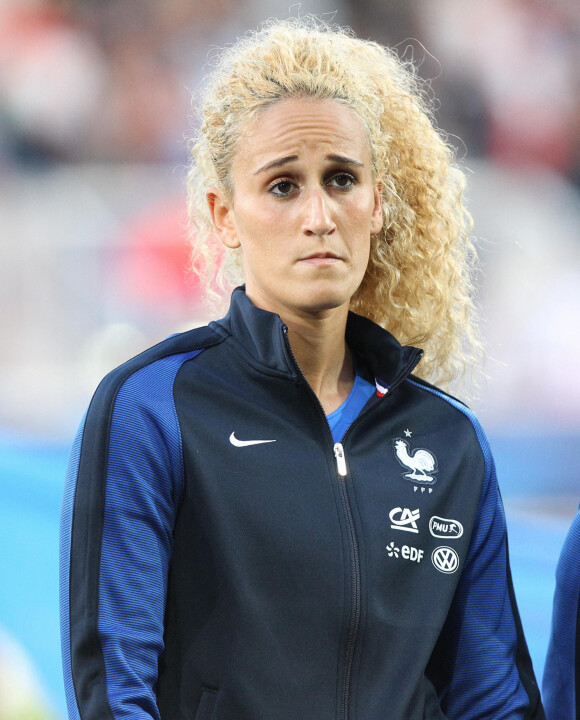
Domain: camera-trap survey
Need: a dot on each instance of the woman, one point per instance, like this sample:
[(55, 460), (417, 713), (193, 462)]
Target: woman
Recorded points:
[(561, 681), (270, 517)]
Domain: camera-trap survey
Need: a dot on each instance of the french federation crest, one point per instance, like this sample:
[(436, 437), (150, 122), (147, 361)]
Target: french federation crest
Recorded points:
[(421, 463)]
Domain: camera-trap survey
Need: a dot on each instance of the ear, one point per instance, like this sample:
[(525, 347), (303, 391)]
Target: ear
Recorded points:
[(222, 216), (377, 215)]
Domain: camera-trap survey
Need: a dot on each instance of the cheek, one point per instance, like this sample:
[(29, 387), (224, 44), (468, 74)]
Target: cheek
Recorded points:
[(258, 222), (359, 226), (258, 247), (364, 254), (362, 246), (360, 208)]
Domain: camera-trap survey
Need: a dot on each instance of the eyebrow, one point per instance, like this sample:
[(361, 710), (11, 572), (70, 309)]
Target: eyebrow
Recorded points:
[(344, 159), (291, 158)]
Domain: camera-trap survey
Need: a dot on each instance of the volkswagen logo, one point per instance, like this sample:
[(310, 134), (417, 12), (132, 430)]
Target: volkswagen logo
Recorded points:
[(445, 559)]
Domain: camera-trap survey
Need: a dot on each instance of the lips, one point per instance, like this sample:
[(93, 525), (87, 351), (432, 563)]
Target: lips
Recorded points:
[(321, 258)]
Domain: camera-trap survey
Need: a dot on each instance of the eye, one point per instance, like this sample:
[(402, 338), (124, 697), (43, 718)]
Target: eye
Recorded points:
[(342, 181), (282, 188)]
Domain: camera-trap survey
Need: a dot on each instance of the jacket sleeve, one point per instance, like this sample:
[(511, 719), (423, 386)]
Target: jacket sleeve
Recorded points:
[(481, 665), (122, 492), (561, 682)]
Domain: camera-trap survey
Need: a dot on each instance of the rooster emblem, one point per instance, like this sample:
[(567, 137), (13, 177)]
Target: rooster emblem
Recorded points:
[(420, 462)]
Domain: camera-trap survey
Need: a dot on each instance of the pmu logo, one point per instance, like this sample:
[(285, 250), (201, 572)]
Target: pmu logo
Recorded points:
[(443, 528), (445, 559)]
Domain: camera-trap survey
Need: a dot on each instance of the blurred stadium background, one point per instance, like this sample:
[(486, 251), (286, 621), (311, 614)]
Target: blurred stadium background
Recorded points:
[(95, 106)]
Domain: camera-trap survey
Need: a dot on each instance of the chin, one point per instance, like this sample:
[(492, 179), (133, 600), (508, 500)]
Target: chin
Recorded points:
[(324, 301)]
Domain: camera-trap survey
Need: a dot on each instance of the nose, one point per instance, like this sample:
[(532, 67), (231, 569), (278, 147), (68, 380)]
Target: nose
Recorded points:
[(317, 217)]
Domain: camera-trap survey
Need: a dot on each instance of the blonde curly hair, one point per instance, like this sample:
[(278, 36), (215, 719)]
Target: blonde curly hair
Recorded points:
[(418, 282)]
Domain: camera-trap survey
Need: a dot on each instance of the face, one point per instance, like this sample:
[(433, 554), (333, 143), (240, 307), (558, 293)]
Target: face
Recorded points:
[(303, 207)]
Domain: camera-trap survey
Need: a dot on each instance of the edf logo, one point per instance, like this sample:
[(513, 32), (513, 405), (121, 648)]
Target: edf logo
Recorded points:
[(412, 553), (406, 552)]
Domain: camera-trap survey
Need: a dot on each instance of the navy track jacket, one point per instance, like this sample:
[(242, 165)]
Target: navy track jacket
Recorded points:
[(222, 558), (561, 682)]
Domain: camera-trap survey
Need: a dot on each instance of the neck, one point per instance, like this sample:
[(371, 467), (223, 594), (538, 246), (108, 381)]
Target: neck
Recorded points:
[(320, 349)]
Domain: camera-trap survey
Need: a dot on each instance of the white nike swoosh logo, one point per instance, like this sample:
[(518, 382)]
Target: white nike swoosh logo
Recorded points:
[(244, 443)]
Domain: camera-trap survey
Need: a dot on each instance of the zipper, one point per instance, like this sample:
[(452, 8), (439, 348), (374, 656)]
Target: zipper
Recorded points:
[(354, 555), (340, 459), (355, 584)]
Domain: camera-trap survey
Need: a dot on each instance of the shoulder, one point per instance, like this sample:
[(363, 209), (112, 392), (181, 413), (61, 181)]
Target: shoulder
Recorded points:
[(140, 391), (568, 571), (435, 391), (574, 533), (154, 368), (133, 408), (446, 403), (457, 422)]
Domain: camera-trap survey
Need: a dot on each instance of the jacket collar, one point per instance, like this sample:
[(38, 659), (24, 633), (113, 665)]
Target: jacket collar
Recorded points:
[(263, 336)]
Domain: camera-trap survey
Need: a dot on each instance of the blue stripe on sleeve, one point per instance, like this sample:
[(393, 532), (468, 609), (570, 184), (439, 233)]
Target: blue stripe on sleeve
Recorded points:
[(144, 488), (483, 625), (129, 453)]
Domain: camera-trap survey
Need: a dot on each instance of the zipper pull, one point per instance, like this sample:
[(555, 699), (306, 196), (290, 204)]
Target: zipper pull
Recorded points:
[(340, 459)]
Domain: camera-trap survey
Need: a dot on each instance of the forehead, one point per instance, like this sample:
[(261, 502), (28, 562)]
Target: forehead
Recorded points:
[(301, 126)]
